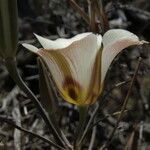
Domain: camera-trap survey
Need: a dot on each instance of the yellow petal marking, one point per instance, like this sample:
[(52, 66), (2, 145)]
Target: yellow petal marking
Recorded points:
[(71, 90)]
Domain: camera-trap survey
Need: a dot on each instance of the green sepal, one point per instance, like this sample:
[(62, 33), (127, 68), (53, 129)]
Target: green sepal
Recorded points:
[(46, 93)]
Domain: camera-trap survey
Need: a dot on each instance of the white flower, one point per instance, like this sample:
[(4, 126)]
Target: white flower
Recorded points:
[(79, 65)]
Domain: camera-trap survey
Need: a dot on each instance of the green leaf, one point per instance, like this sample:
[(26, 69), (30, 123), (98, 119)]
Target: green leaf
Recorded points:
[(8, 28)]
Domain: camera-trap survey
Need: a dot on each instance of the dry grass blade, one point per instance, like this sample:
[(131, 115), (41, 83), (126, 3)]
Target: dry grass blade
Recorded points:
[(8, 121), (17, 117), (123, 106), (92, 14), (102, 16), (132, 142), (92, 139), (12, 69), (105, 117), (79, 10)]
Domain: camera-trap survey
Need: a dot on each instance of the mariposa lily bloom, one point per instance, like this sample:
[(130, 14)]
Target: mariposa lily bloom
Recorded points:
[(79, 65)]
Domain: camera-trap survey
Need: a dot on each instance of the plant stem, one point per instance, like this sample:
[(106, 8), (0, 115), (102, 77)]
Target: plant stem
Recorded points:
[(83, 113), (88, 125), (12, 69)]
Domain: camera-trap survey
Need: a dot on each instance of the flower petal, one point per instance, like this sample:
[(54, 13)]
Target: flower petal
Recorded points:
[(30, 47), (61, 42), (72, 67), (114, 41)]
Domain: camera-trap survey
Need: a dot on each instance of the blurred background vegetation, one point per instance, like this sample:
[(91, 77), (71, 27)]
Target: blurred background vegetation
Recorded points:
[(56, 18)]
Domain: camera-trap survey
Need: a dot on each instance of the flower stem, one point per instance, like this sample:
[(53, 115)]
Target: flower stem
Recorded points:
[(12, 69), (83, 113), (88, 125)]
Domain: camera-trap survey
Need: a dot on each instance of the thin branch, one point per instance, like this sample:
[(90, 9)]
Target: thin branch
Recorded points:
[(92, 139), (114, 87), (79, 10), (139, 13), (123, 106), (105, 117), (102, 16), (92, 15), (8, 121)]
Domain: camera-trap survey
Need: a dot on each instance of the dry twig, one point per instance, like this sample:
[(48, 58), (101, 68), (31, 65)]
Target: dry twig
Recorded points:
[(8, 121), (123, 106)]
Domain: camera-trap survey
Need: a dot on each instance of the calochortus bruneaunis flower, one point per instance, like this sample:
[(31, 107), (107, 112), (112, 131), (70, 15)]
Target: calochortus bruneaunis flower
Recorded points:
[(79, 65)]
